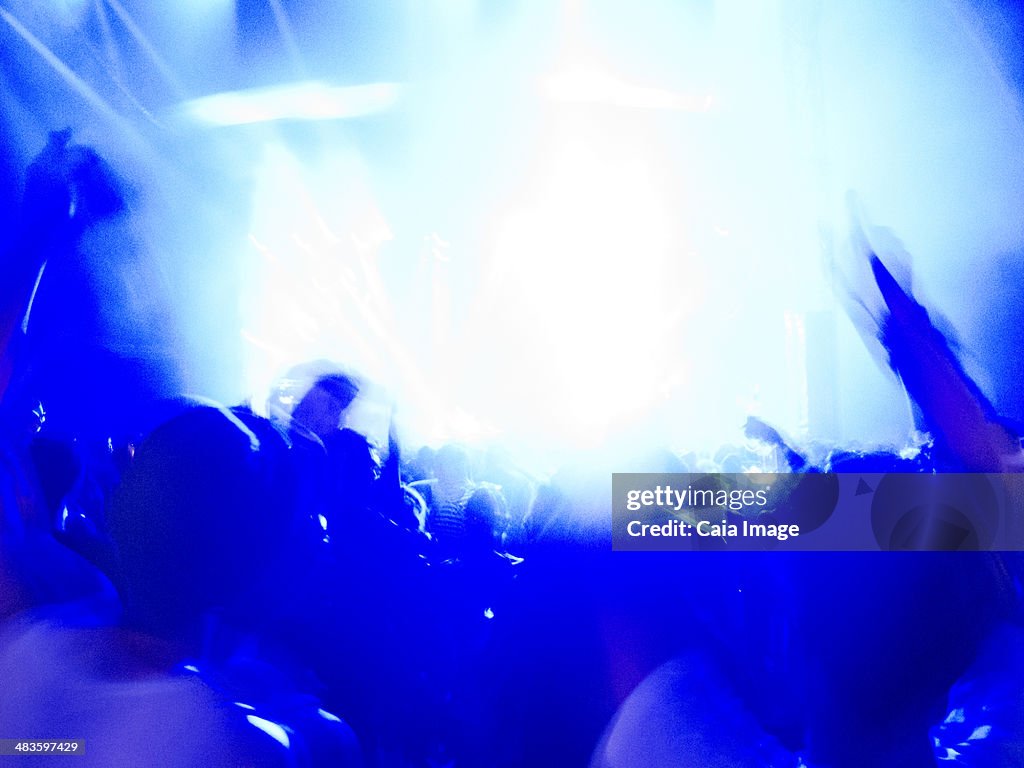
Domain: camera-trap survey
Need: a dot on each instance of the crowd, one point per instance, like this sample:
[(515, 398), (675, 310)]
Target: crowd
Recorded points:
[(184, 583)]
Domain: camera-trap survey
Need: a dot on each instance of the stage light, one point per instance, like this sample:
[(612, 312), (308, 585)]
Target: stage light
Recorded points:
[(588, 243), (299, 101), (584, 85)]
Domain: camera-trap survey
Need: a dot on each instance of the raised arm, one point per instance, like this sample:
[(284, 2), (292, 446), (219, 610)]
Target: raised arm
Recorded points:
[(45, 219), (956, 412)]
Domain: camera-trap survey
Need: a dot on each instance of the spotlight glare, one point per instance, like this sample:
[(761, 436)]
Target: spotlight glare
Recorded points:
[(301, 101), (591, 86)]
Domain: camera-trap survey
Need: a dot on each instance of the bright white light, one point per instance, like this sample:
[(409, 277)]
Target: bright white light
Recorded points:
[(273, 730), (613, 251), (583, 85), (578, 277), (306, 297), (301, 101)]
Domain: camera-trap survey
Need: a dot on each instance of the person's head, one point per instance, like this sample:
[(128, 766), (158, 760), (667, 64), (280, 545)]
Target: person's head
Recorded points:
[(321, 393), (451, 465), (421, 467), (200, 520), (72, 181), (97, 192), (483, 512)]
